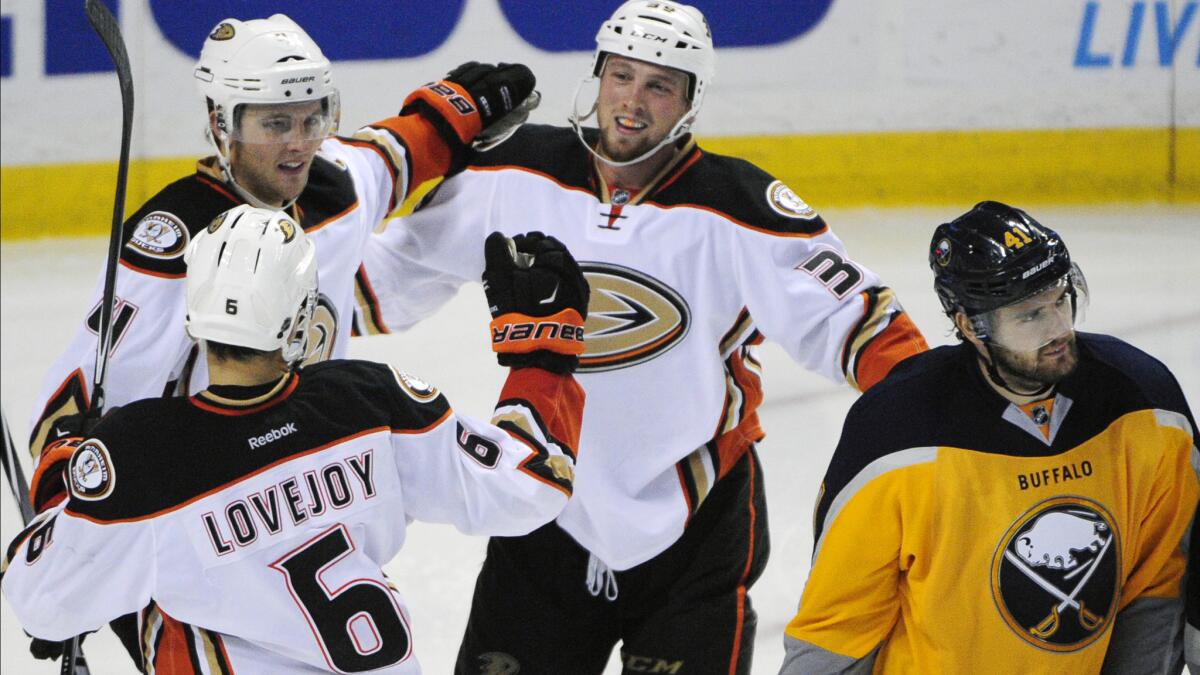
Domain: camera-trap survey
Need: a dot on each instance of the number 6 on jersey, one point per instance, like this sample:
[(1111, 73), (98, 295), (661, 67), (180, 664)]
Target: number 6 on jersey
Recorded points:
[(359, 625)]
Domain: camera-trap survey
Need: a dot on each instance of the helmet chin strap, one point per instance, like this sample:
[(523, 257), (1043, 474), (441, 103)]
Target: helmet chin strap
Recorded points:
[(681, 127), (993, 372)]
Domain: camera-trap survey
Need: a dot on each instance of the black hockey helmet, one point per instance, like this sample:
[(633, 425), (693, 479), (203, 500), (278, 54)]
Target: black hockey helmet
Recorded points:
[(992, 256)]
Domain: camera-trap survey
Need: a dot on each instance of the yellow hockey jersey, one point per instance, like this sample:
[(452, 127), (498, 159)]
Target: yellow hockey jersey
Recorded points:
[(958, 533)]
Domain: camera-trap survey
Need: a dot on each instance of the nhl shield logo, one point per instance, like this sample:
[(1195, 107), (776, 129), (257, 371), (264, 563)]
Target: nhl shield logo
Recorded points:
[(1056, 571)]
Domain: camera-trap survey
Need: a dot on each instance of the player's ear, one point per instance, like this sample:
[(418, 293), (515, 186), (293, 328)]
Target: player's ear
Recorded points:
[(963, 324)]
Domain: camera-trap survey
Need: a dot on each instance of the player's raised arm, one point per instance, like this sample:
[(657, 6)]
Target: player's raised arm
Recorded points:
[(514, 474), (436, 128)]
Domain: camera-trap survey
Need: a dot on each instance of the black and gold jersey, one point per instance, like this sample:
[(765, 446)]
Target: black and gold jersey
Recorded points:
[(958, 532)]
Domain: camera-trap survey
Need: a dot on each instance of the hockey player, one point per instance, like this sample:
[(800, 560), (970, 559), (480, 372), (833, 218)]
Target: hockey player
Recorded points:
[(692, 259), (273, 109), (1015, 503), (251, 520)]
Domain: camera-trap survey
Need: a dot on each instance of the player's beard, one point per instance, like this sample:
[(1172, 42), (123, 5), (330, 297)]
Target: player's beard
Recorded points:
[(1031, 371)]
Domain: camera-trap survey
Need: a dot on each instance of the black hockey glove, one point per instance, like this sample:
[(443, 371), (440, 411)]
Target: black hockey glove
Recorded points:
[(476, 102), (50, 650), (538, 300)]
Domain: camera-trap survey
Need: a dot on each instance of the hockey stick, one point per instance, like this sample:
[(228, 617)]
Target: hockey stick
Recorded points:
[(73, 662), (106, 27), (15, 475)]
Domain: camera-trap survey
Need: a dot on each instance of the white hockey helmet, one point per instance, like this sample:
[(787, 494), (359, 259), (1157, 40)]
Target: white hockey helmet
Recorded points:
[(252, 281), (664, 33), (263, 61)]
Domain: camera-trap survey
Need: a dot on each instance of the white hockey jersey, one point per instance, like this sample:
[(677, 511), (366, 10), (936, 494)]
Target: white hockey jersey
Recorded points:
[(686, 276), (252, 523), (353, 184)]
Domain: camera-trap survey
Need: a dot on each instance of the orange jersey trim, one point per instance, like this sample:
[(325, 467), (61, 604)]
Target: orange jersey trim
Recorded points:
[(558, 399), (428, 154), (897, 342)]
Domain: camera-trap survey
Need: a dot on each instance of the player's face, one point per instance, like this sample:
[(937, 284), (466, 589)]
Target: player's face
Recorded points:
[(1030, 371), (273, 148), (639, 104)]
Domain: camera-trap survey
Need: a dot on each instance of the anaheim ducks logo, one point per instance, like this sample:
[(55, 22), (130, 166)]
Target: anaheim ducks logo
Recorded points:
[(159, 235), (90, 472), (217, 222), (1055, 574), (223, 31), (632, 318), (322, 332)]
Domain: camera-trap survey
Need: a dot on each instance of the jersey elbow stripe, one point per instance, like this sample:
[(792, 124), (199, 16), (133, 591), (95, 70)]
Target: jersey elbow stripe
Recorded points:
[(70, 398), (393, 153), (738, 333), (698, 473), (880, 467), (538, 464), (1174, 420), (368, 303)]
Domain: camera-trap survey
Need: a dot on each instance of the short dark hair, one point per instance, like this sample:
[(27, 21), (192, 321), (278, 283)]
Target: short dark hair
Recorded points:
[(226, 352)]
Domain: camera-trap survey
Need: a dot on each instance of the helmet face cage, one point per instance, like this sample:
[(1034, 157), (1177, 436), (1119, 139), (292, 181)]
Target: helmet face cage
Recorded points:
[(265, 61), (251, 282)]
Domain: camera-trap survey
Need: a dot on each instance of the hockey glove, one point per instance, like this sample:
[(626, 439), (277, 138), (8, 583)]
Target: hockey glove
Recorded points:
[(50, 650), (538, 300), (474, 98), (46, 486)]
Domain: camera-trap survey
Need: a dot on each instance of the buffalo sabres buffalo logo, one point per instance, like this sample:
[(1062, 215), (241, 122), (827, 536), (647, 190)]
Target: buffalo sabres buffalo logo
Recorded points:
[(941, 252), (632, 318), (1055, 574)]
